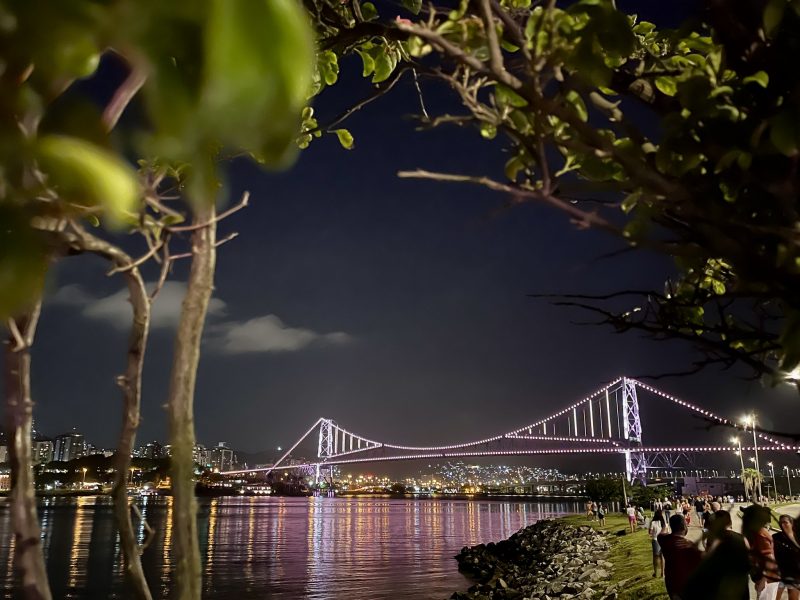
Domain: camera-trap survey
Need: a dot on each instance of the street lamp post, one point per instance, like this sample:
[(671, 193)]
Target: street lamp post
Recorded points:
[(774, 483), (788, 481), (738, 442), (84, 476)]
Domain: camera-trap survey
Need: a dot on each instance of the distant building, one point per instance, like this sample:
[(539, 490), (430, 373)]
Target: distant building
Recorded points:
[(714, 486), (152, 450), (42, 451), (200, 456), (221, 457), (69, 446), (3, 454)]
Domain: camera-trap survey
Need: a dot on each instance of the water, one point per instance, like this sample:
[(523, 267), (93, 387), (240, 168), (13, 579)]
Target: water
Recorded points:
[(317, 548)]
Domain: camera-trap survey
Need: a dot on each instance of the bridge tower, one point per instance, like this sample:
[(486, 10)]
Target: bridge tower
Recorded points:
[(326, 444), (635, 461), (327, 435)]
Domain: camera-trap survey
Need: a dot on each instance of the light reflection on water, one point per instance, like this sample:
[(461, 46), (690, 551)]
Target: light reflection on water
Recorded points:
[(317, 548)]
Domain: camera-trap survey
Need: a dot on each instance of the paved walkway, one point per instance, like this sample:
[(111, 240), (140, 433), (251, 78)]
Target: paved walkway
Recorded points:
[(696, 531)]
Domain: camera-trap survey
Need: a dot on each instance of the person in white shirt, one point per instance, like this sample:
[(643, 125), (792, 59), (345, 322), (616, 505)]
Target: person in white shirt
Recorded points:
[(657, 525), (631, 510)]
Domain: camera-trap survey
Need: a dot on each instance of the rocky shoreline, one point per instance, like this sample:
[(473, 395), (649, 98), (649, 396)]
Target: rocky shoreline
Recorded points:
[(544, 561)]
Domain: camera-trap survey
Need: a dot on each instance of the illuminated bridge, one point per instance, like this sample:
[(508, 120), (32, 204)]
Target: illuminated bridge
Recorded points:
[(605, 422)]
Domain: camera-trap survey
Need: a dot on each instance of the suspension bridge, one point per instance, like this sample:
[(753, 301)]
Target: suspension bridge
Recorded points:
[(604, 422)]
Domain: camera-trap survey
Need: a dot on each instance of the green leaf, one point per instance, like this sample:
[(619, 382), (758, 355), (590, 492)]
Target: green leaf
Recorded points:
[(533, 22), (23, 262), (413, 6), (385, 64), (505, 96), (630, 202), (666, 85), (761, 78), (455, 15), (88, 175), (328, 65), (257, 72), (643, 28), (784, 132), (574, 98), (345, 138), (369, 63), (488, 130), (368, 11), (773, 15), (513, 166)]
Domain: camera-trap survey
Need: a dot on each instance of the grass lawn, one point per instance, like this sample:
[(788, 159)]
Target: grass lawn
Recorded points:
[(632, 557)]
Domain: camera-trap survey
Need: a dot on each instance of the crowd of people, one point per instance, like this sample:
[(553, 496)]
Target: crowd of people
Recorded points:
[(721, 564)]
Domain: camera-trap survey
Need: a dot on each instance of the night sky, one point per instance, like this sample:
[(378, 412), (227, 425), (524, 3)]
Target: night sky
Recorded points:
[(398, 308)]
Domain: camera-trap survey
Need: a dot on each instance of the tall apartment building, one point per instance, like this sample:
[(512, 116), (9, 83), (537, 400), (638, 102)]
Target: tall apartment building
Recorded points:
[(68, 446), (42, 451), (221, 457), (200, 456)]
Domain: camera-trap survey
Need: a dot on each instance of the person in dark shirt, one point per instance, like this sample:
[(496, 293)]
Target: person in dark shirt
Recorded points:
[(681, 557), (723, 573), (787, 555)]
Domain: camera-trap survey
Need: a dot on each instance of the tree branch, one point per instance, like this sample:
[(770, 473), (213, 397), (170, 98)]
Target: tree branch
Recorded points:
[(579, 216)]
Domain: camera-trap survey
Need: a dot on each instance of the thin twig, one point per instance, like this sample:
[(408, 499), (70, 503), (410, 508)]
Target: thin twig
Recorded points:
[(19, 340), (226, 239), (166, 265), (495, 53), (419, 95), (123, 96), (139, 261), (380, 89), (223, 215), (583, 218)]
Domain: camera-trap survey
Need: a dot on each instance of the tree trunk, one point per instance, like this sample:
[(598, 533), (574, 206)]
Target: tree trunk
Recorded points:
[(131, 384), (19, 415), (186, 549)]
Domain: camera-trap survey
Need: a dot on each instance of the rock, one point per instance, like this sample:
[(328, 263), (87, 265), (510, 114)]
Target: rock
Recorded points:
[(547, 561)]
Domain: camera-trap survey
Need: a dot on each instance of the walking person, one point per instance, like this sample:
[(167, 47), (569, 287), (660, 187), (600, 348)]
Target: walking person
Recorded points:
[(601, 515), (681, 557), (764, 571), (787, 555), (667, 509), (706, 519), (723, 572), (657, 526), (686, 510), (631, 511)]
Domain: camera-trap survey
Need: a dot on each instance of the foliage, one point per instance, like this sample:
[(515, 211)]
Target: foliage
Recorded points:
[(751, 478), (606, 489), (215, 76), (682, 141), (644, 496)]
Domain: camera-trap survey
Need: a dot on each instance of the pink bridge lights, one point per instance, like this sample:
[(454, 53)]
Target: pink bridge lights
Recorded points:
[(604, 422)]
